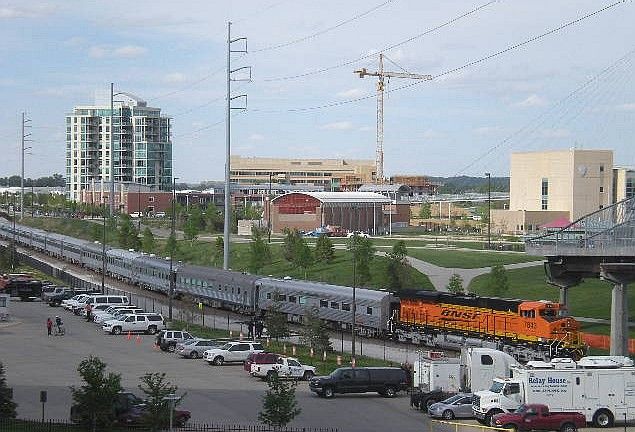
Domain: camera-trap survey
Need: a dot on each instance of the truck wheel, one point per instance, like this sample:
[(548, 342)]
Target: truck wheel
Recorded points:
[(116, 330), (218, 361), (389, 392), (171, 347), (603, 418), (308, 375), (448, 415), (489, 420), (568, 427), (328, 392), (193, 354)]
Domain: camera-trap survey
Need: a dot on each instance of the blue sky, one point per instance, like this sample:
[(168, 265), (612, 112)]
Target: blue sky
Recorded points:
[(55, 55)]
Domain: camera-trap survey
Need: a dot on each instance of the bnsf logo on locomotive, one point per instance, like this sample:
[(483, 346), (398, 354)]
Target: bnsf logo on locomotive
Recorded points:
[(452, 313)]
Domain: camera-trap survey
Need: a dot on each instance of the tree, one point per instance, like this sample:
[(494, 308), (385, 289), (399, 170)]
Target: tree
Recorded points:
[(324, 250), (94, 401), (279, 405), (194, 224), (275, 320), (303, 256), (7, 406), (127, 235), (363, 253), (455, 284), (398, 275), (259, 251), (97, 232), (219, 251), (214, 218), (289, 244), (171, 246), (148, 243), (425, 212), (315, 332), (156, 388), (498, 280)]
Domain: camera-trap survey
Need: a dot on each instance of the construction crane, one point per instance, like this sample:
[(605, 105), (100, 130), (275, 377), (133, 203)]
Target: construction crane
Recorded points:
[(381, 74)]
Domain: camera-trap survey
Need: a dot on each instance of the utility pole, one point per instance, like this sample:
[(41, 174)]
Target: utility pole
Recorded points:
[(229, 98), (381, 75), (112, 152), (24, 139)]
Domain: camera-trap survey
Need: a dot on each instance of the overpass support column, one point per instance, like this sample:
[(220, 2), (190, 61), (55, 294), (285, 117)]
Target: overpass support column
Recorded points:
[(564, 297), (619, 320)]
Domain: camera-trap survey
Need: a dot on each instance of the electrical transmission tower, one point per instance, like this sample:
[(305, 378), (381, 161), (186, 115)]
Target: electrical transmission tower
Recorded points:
[(381, 74)]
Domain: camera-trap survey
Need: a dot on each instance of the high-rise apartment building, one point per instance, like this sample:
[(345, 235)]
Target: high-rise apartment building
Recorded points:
[(141, 145)]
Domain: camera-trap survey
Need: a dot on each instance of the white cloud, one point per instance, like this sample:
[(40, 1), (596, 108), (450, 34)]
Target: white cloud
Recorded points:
[(343, 125), (487, 130), (555, 133), (127, 51), (256, 137), (532, 101), (351, 93), (626, 107), (174, 78)]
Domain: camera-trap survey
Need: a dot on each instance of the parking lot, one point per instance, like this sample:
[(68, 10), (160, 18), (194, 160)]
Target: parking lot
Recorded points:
[(226, 394)]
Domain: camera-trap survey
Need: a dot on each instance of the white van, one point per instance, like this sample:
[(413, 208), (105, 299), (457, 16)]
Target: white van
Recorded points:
[(99, 300)]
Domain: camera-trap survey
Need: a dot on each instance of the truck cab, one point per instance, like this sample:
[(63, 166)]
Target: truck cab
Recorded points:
[(505, 395)]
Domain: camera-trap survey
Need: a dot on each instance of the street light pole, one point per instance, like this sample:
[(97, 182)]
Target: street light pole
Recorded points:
[(489, 211), (103, 252), (172, 244), (355, 245), (269, 210)]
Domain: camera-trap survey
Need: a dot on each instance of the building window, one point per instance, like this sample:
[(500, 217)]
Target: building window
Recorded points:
[(601, 189), (292, 299), (369, 311), (268, 296), (346, 307), (601, 168), (151, 199), (335, 305), (324, 303), (545, 194)]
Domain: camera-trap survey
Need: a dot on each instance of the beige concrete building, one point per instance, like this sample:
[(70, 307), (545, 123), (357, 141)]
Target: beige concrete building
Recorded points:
[(549, 185), (332, 174), (623, 183)]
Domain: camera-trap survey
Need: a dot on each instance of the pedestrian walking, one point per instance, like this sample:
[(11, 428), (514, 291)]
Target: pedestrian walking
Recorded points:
[(250, 327), (259, 327), (49, 326), (89, 310)]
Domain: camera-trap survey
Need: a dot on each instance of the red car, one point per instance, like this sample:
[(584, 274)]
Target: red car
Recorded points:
[(537, 417), (260, 358)]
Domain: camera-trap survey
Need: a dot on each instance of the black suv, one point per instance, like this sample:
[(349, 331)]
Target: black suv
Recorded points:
[(386, 381)]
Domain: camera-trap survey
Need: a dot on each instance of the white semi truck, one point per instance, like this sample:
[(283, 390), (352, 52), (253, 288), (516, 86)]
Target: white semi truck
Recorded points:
[(600, 387), (438, 377)]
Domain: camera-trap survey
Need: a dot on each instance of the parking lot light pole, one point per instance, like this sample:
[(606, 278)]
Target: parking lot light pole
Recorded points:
[(103, 253), (489, 210), (171, 399), (173, 244), (355, 245), (269, 211)]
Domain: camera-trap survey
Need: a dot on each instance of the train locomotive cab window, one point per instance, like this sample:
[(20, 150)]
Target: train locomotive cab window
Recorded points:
[(268, 296)]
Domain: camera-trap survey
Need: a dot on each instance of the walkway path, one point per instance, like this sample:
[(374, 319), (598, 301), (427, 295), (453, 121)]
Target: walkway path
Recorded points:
[(440, 276)]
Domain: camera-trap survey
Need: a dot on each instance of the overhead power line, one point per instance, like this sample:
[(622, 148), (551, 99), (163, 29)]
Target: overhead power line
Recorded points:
[(456, 69), (388, 48), (321, 32)]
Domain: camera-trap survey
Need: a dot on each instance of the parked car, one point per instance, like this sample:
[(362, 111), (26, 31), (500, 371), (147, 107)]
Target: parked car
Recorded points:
[(194, 348), (73, 301), (146, 323), (115, 313), (167, 339), (258, 358), (457, 406), (357, 233), (537, 417), (232, 352), (386, 381), (284, 367)]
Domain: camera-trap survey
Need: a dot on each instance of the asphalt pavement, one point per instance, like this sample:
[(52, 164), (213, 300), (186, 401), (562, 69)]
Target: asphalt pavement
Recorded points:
[(34, 361)]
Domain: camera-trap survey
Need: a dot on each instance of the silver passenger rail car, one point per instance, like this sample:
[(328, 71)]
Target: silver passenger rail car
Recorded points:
[(92, 256), (218, 288), (121, 264), (152, 273), (333, 303)]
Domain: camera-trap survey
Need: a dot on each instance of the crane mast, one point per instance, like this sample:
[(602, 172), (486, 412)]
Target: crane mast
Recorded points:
[(381, 75)]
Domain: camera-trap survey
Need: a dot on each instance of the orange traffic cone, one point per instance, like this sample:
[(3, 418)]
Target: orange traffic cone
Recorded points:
[(138, 340), (129, 335)]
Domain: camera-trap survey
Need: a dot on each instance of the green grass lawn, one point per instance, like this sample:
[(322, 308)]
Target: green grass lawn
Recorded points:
[(592, 298), (339, 271), (469, 259)]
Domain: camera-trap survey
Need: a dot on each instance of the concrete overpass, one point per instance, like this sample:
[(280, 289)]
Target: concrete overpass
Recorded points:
[(598, 245)]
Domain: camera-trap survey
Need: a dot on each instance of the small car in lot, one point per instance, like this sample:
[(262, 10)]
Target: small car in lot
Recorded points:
[(457, 406), (232, 352), (194, 348)]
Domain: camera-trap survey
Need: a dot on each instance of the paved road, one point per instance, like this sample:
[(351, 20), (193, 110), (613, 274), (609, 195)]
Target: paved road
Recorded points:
[(34, 362)]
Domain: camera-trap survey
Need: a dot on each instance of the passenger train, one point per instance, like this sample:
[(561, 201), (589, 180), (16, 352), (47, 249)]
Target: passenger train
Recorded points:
[(443, 320)]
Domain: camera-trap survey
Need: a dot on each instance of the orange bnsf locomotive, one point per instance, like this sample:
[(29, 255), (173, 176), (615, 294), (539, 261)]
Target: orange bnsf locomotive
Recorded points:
[(529, 330)]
